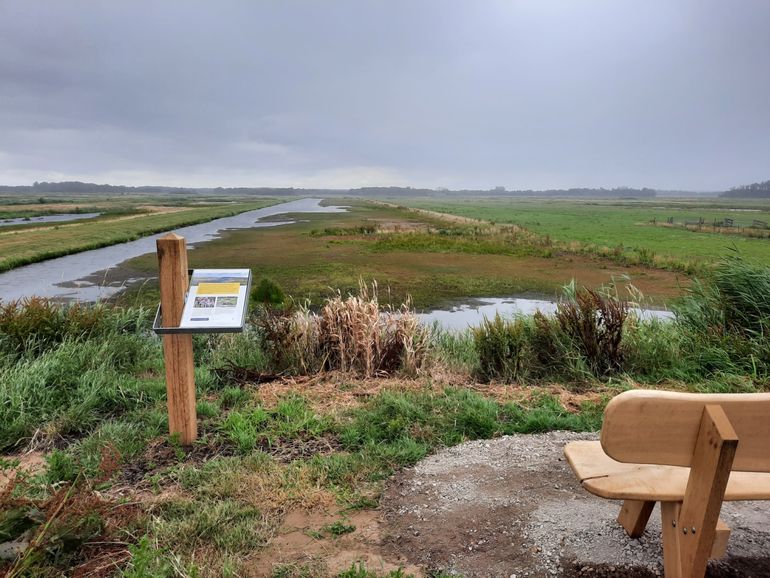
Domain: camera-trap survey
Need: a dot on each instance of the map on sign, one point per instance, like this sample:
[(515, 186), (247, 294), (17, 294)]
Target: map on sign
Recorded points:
[(217, 299)]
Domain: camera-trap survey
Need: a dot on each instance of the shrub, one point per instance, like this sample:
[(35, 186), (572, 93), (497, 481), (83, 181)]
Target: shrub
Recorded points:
[(595, 325), (268, 292)]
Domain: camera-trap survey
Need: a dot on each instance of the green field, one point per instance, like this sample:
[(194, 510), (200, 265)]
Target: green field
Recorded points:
[(624, 226)]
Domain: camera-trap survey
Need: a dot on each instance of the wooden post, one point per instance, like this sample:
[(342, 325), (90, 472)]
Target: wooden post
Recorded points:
[(709, 471), (177, 349)]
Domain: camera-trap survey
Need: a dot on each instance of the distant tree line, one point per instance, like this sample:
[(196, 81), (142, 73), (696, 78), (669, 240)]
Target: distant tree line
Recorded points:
[(80, 187), (752, 191), (618, 192), (77, 187)]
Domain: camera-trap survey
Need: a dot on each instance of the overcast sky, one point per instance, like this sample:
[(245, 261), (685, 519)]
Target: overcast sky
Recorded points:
[(475, 93)]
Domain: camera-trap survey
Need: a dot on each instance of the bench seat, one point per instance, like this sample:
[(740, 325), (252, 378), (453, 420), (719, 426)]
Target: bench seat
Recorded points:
[(607, 478)]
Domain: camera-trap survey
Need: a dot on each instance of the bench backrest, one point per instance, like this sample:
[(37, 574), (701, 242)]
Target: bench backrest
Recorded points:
[(661, 427)]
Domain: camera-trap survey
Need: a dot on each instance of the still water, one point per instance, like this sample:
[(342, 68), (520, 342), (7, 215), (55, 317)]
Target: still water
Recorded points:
[(81, 276), (471, 314), (47, 219)]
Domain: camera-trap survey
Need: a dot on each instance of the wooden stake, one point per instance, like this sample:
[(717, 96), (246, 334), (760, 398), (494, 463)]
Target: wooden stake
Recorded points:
[(177, 349)]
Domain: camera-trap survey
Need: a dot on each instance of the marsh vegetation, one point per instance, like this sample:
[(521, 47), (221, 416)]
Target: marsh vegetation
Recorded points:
[(332, 388), (311, 411)]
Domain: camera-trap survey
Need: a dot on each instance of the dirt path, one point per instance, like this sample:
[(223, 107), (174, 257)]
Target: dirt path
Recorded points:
[(512, 507)]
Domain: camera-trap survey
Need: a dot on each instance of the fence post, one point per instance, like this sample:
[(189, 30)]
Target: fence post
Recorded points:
[(177, 349)]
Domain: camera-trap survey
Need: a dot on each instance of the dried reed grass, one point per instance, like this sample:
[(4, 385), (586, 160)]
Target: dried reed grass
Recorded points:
[(352, 334)]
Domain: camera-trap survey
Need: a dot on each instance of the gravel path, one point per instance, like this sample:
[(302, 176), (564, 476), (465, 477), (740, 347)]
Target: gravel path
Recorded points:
[(512, 507)]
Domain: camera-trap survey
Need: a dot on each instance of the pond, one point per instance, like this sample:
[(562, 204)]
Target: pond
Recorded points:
[(471, 314), (61, 218), (81, 276)]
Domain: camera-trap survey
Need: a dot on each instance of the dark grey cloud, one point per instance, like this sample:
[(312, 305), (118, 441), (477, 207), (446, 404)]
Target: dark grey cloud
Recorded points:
[(539, 93)]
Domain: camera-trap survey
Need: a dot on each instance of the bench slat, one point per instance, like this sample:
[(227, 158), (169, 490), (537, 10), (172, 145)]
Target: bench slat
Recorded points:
[(608, 478), (657, 427)]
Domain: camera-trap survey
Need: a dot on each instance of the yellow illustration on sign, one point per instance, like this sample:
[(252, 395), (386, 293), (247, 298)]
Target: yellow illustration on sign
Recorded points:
[(218, 288)]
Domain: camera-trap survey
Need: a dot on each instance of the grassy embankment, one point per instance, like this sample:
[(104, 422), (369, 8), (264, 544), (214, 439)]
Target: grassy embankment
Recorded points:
[(621, 230), (434, 260), (85, 386), (24, 245)]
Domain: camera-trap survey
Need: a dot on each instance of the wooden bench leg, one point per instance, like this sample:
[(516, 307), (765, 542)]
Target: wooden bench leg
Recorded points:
[(720, 540), (634, 515), (669, 518), (690, 529)]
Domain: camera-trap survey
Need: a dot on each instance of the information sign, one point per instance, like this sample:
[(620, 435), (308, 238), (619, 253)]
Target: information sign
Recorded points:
[(216, 300)]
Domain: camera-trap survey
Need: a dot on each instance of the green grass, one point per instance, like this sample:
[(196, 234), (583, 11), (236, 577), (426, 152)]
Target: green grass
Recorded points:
[(86, 386), (618, 225)]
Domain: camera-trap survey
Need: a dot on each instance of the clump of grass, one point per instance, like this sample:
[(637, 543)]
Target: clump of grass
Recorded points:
[(454, 349), (35, 325), (501, 346), (71, 387), (292, 418), (339, 528), (444, 419), (359, 570), (344, 231), (725, 322), (236, 357), (552, 354), (352, 334)]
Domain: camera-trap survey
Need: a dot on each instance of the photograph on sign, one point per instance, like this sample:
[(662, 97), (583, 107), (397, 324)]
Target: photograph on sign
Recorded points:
[(216, 299)]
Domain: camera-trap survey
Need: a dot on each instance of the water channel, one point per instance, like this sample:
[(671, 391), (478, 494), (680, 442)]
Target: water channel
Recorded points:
[(80, 276), (62, 218)]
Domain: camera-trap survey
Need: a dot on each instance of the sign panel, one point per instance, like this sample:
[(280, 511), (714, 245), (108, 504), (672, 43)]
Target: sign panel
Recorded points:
[(216, 300)]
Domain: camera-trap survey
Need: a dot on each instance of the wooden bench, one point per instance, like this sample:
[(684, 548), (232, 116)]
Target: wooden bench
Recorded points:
[(687, 451)]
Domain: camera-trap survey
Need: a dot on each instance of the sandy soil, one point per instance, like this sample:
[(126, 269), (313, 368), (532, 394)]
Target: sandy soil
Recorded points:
[(303, 543)]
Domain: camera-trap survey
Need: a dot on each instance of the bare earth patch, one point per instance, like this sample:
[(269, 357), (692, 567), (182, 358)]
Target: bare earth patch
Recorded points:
[(512, 507), (29, 463), (303, 544)]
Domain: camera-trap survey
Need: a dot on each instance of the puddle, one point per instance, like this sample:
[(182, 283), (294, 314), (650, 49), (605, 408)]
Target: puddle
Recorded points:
[(466, 315)]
